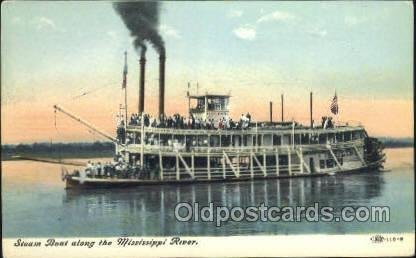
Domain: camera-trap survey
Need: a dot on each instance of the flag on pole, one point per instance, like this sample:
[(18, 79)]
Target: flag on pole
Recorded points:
[(125, 72), (334, 105)]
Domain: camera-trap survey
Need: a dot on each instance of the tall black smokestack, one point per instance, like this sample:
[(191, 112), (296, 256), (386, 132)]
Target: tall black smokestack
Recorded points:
[(162, 60), (142, 19), (141, 86)]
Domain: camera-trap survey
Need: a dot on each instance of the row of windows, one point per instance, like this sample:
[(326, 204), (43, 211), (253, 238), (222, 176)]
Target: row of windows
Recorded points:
[(245, 140), (329, 163)]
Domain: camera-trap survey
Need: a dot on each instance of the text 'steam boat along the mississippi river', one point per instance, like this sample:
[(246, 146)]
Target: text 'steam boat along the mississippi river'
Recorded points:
[(207, 146)]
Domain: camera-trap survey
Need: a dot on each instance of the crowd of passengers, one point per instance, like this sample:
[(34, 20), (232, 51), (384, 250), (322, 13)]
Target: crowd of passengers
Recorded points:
[(118, 168), (180, 122)]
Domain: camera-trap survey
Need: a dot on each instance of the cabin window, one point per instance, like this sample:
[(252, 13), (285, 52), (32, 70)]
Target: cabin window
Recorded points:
[(338, 136), (259, 142), (214, 141), (245, 139), (297, 138), (164, 138), (321, 164), (203, 141), (304, 138), (331, 138), (277, 140), (236, 140), (314, 139), (225, 140), (329, 163), (283, 160), (322, 138)]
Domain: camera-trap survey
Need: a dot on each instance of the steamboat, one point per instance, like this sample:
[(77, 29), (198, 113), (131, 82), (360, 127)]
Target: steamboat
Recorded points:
[(208, 146)]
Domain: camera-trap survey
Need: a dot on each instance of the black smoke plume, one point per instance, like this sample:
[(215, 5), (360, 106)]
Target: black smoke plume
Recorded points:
[(142, 19)]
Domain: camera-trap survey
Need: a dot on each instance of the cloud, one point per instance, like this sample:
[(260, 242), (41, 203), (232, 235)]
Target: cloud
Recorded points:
[(17, 20), (235, 14), (169, 31), (276, 16), (42, 23), (353, 20), (111, 34), (245, 32), (318, 32)]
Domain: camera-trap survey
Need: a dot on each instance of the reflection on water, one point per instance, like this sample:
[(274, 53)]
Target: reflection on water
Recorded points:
[(150, 209), (35, 206)]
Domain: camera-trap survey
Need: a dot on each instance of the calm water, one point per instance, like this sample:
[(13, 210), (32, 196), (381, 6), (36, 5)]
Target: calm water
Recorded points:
[(35, 203)]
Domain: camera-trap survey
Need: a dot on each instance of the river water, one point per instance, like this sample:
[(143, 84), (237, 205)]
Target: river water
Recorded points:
[(35, 203)]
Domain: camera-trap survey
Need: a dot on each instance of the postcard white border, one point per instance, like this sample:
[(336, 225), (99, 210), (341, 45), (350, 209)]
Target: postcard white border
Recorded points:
[(246, 246)]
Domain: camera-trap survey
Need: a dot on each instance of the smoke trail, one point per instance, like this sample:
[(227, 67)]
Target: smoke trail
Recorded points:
[(142, 19)]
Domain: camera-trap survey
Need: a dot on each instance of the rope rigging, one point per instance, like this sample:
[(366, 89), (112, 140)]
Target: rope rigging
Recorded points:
[(86, 93)]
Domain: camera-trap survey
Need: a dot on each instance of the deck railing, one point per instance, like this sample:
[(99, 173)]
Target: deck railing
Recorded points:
[(136, 148)]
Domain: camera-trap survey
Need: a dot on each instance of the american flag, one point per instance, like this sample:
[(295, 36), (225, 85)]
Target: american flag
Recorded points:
[(123, 86), (334, 105)]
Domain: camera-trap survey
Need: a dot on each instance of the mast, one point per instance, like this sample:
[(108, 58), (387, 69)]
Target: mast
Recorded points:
[(125, 92)]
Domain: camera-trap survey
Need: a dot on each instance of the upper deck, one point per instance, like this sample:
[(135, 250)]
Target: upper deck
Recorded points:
[(252, 138)]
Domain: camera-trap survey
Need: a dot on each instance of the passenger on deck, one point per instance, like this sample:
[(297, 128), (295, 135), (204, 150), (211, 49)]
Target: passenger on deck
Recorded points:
[(99, 169)]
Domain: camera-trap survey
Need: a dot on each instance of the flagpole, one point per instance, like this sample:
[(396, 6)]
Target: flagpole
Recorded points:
[(125, 94), (337, 115)]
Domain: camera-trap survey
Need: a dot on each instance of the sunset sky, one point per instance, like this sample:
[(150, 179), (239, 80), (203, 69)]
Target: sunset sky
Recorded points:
[(53, 52)]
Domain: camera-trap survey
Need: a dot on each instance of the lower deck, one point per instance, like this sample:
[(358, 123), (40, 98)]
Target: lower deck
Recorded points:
[(81, 183), (248, 163)]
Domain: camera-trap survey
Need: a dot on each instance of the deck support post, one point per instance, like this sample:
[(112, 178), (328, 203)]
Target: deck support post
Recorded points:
[(227, 159), (186, 165), (277, 161), (177, 167), (358, 154), (238, 163), (333, 156), (223, 168), (263, 168), (251, 165), (209, 165), (301, 159), (193, 163), (161, 165), (289, 162), (264, 160)]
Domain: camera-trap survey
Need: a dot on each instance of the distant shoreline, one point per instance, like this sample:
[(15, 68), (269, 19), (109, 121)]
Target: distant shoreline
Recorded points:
[(106, 149)]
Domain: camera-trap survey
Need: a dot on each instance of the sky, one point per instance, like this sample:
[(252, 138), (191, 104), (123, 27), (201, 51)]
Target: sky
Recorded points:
[(54, 52)]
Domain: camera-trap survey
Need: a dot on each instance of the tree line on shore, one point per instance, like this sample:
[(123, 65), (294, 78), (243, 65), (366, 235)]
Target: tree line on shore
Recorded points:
[(58, 150)]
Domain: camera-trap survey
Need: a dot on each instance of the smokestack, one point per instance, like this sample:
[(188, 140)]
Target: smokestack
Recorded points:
[(271, 112), (311, 109), (282, 107), (162, 60), (141, 86)]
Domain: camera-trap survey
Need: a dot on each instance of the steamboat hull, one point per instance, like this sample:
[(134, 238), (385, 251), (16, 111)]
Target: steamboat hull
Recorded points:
[(99, 183)]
